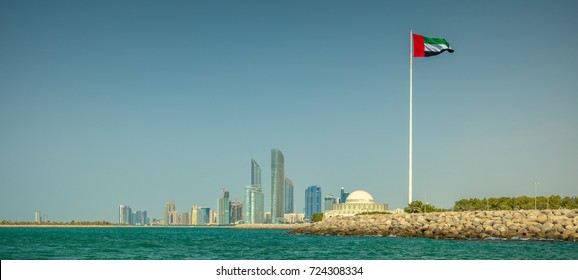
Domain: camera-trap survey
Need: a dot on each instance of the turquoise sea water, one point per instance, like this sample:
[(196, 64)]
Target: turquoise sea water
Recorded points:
[(234, 244)]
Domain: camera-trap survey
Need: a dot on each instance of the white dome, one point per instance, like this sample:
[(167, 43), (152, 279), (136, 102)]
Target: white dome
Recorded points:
[(359, 197)]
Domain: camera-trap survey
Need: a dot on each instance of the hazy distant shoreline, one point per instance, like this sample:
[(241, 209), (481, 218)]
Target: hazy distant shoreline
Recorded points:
[(240, 226), (107, 226), (270, 226), (61, 226)]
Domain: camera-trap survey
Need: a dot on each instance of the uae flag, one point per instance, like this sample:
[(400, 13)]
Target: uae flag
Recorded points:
[(425, 46)]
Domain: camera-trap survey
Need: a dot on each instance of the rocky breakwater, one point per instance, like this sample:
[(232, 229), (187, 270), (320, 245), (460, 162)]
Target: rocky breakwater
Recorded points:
[(528, 224)]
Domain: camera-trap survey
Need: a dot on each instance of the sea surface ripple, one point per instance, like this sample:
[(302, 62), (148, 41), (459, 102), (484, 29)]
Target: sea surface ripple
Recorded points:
[(166, 243)]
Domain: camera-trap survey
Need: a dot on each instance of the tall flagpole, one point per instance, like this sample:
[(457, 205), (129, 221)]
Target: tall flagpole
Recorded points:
[(410, 109)]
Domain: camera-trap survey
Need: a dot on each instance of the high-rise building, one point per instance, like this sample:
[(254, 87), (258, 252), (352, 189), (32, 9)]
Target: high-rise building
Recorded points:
[(254, 198), (145, 219), (185, 218), (212, 217), (168, 215), (235, 212), (128, 214), (138, 218), (128, 217), (223, 209), (328, 202), (124, 215), (277, 182), (194, 215), (255, 173), (312, 201), (174, 218), (289, 204), (132, 217), (37, 217), (204, 216), (343, 196)]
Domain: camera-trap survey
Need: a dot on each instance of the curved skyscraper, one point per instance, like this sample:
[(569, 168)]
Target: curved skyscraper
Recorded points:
[(277, 190), (255, 173)]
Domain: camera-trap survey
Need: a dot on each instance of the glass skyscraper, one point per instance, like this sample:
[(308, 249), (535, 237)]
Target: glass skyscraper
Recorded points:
[(312, 201), (124, 215), (255, 173), (329, 201), (204, 216), (167, 214), (277, 182), (289, 204), (235, 212), (223, 210), (139, 218), (254, 198), (343, 196)]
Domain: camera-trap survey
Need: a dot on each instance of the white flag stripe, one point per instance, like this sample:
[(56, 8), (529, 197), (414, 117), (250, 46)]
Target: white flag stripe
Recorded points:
[(435, 47)]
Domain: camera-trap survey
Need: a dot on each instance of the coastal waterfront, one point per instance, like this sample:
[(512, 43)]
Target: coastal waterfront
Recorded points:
[(168, 243)]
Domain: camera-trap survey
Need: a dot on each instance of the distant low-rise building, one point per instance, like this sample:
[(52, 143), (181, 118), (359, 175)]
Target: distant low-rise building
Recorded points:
[(294, 218), (328, 202)]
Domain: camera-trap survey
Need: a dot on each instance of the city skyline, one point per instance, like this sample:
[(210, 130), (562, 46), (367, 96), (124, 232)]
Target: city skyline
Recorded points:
[(253, 194), (110, 103)]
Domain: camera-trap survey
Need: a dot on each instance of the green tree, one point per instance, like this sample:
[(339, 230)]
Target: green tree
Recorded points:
[(415, 206), (555, 202), (569, 202), (317, 217)]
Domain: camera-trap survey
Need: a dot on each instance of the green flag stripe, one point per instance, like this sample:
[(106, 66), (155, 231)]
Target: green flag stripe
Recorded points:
[(439, 41)]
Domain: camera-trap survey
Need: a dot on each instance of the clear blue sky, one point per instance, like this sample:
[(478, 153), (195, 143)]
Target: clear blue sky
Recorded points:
[(137, 102)]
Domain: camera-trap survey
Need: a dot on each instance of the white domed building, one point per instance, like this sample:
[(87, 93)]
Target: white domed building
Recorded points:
[(356, 203)]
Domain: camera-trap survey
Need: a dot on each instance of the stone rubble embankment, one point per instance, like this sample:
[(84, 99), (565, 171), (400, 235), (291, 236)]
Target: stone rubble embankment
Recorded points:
[(523, 224)]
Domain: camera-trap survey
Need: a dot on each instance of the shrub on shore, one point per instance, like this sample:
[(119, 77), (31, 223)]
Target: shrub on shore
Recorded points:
[(317, 217), (516, 203)]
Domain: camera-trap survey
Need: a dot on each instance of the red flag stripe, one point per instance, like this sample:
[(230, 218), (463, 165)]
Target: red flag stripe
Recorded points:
[(418, 46)]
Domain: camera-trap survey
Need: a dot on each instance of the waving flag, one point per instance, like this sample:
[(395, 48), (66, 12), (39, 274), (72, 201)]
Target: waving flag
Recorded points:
[(425, 46)]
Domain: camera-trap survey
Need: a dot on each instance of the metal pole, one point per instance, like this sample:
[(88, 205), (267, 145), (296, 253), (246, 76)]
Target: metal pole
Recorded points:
[(410, 110)]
